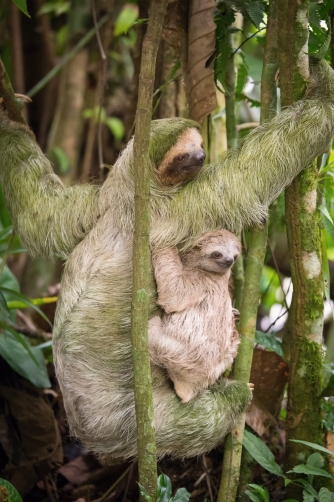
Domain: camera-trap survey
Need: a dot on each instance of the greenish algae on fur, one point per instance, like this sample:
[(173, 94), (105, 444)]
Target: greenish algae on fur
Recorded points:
[(93, 227)]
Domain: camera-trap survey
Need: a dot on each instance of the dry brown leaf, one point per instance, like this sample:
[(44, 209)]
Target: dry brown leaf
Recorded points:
[(201, 45), (269, 374), (194, 44), (258, 417)]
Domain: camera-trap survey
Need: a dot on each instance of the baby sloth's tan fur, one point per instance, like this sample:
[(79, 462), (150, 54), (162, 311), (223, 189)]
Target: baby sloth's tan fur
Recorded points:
[(195, 338)]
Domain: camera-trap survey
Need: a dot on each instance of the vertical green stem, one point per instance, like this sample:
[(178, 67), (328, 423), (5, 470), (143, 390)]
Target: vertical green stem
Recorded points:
[(141, 254), (13, 105), (250, 300)]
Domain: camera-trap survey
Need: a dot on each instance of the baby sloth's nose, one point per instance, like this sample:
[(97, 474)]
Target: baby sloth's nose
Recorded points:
[(228, 262)]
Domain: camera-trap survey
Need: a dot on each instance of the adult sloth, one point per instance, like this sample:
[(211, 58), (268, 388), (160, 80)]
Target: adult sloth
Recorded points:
[(93, 227)]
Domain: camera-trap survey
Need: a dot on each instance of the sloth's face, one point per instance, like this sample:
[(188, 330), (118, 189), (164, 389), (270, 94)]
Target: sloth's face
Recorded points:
[(184, 160), (219, 260), (214, 252)]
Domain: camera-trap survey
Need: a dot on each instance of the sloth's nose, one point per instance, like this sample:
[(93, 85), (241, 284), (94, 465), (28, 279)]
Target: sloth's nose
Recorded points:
[(200, 156), (228, 261)]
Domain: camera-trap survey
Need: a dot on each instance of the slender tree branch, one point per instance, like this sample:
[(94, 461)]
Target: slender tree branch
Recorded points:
[(52, 73), (12, 103), (101, 87), (247, 39), (254, 264), (141, 254)]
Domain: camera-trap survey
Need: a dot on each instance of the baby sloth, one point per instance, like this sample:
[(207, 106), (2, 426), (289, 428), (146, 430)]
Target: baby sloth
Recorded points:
[(195, 338)]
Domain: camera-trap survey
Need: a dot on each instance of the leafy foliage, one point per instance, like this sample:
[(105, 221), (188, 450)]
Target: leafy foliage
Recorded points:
[(126, 19), (269, 342), (114, 124), (224, 19), (8, 493), (261, 453), (22, 5), (313, 467), (27, 360), (164, 491), (328, 410)]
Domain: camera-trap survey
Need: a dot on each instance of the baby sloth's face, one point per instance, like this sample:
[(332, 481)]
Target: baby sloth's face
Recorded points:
[(220, 258), (214, 252)]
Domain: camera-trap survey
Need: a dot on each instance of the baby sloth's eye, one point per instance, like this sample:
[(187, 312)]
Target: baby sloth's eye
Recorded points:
[(216, 254)]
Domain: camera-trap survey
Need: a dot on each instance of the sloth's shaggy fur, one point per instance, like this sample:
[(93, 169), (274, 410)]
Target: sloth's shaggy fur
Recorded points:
[(94, 228), (195, 338)]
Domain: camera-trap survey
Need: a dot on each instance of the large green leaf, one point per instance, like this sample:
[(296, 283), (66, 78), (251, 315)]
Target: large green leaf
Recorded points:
[(254, 497), (256, 11), (310, 471), (325, 495), (164, 488), (22, 5), (22, 341), (182, 495), (307, 485), (307, 497), (8, 283), (126, 19), (21, 362), (261, 453), (259, 490), (269, 342), (313, 445), (18, 296), (14, 495), (315, 460)]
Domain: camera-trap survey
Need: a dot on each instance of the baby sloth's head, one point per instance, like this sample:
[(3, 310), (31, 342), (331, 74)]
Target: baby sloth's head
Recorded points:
[(214, 252)]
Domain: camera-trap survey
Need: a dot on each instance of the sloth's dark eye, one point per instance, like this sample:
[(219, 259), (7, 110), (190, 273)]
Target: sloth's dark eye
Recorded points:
[(180, 158), (216, 254)]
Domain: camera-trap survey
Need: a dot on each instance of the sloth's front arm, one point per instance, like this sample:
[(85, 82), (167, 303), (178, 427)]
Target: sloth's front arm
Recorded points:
[(177, 288), (50, 218)]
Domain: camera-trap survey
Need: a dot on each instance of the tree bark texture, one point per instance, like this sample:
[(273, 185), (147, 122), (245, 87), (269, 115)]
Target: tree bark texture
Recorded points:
[(67, 125), (305, 322), (141, 254), (253, 271)]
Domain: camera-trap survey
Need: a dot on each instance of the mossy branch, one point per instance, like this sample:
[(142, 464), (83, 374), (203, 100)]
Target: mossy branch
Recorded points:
[(254, 264), (141, 254), (305, 323), (12, 104)]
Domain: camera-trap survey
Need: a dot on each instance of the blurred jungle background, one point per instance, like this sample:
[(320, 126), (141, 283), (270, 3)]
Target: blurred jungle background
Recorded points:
[(79, 63)]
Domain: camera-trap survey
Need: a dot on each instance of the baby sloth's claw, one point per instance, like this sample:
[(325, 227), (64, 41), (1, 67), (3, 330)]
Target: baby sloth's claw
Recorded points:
[(236, 314), (251, 386)]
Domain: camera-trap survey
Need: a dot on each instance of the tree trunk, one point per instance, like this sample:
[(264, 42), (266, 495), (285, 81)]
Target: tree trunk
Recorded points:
[(305, 322), (141, 254), (66, 130)]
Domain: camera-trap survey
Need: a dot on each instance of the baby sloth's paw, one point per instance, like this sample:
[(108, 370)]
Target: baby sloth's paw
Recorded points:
[(236, 315), (185, 391), (251, 386)]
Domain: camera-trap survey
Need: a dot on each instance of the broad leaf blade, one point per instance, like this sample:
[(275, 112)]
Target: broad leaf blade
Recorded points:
[(325, 495), (310, 471), (164, 488), (261, 453), (181, 495), (313, 445), (22, 5), (21, 362), (26, 301), (14, 495)]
